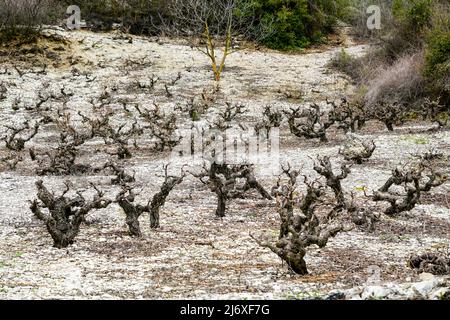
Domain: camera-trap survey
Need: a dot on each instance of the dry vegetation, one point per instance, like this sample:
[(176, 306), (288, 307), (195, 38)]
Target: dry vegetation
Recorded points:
[(93, 163)]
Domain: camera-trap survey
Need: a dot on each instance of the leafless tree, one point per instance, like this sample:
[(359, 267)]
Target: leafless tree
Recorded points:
[(125, 199), (196, 106), (360, 215), (348, 116), (226, 117), (389, 113), (120, 137), (193, 109), (122, 177), (133, 211), (214, 20), (436, 112), (310, 226), (15, 143), (162, 128), (324, 168), (99, 126), (309, 123), (62, 159), (65, 214), (271, 119), (230, 182), (414, 183), (159, 199)]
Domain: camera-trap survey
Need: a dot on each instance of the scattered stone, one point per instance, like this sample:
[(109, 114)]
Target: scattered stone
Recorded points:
[(432, 288), (375, 292)]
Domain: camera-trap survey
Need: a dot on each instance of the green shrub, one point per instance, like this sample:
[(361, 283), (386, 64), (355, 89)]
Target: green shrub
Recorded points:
[(416, 14), (296, 24), (437, 60), (289, 20), (348, 64), (438, 54), (413, 61)]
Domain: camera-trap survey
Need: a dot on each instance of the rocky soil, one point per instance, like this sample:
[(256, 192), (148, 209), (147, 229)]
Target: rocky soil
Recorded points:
[(195, 255)]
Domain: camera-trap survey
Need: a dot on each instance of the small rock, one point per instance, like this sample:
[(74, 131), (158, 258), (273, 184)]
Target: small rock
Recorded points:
[(354, 293), (425, 287), (426, 276), (374, 292), (166, 289)]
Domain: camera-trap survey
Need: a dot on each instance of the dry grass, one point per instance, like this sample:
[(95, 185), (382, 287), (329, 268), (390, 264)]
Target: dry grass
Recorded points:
[(401, 82)]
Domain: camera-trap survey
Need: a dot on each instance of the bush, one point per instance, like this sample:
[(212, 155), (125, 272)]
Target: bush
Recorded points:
[(416, 14), (406, 30), (21, 20), (296, 23), (437, 68), (355, 14), (400, 83), (348, 64), (412, 62), (136, 16)]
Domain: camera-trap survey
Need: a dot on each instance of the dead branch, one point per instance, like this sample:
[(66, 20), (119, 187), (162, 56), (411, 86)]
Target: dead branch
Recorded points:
[(271, 119), (11, 160), (168, 93), (347, 116), (228, 116), (178, 78), (364, 217), (99, 126), (120, 137), (133, 211), (62, 159), (162, 128), (3, 91), (436, 112), (389, 113)]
